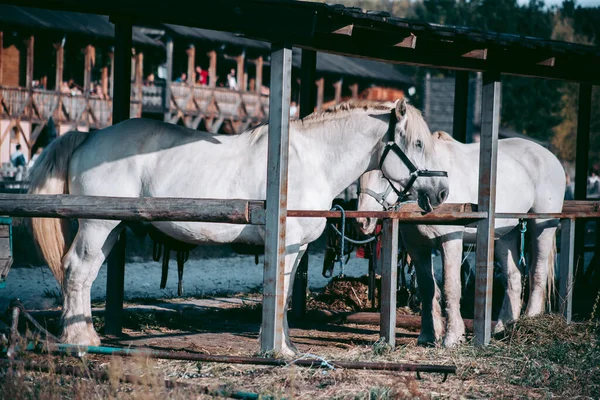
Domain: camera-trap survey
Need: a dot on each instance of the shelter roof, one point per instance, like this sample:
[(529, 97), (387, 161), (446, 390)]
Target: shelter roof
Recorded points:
[(97, 26), (355, 32)]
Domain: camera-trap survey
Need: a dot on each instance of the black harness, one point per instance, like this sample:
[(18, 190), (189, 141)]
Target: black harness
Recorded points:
[(414, 171)]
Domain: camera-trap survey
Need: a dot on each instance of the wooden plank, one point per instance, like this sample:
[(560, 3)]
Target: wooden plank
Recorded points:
[(567, 252), (307, 84), (461, 104), (408, 42), (581, 169), (233, 211), (389, 281), (488, 154), (277, 187)]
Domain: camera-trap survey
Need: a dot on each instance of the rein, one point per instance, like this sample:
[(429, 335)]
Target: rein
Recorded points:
[(414, 171)]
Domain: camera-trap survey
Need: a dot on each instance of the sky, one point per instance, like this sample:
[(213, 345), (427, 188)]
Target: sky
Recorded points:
[(583, 3)]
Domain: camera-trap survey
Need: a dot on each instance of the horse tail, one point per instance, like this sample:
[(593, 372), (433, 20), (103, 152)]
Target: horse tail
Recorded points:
[(49, 175), (550, 290)]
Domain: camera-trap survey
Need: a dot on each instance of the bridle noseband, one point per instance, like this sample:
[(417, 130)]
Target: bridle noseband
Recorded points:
[(414, 171)]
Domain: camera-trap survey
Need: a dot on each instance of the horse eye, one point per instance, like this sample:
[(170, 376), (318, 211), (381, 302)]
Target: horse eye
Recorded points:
[(419, 144)]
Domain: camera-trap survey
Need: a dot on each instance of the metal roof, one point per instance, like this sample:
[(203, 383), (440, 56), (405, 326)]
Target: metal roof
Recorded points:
[(97, 26)]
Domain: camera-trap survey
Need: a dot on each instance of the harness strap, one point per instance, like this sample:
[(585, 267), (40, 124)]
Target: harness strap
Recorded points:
[(522, 230), (380, 197)]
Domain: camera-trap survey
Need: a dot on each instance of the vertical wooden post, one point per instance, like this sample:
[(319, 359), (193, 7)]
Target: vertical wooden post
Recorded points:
[(191, 66), (488, 154), (584, 111), (567, 251), (354, 90), (168, 80), (60, 65), (1, 56), (461, 103), (29, 66), (389, 281), (338, 91), (104, 81), (307, 106), (277, 184), (240, 72), (115, 276), (139, 75), (212, 69), (320, 93), (259, 74), (89, 57), (111, 57)]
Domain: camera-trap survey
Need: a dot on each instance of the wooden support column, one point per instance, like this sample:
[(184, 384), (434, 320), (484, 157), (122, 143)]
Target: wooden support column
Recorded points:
[(191, 65), (240, 61), (259, 74), (274, 302), (567, 252), (1, 56), (320, 93), (89, 57), (461, 103), (139, 75), (354, 90), (111, 57), (488, 154), (307, 106), (581, 173), (168, 80), (60, 65), (338, 91), (104, 81), (389, 281), (212, 69), (115, 276), (29, 66)]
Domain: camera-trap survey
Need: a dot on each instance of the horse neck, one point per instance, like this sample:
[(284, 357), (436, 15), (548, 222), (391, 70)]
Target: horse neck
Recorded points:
[(342, 148)]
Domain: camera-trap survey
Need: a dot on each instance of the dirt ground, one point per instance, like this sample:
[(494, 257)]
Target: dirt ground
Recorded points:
[(536, 358)]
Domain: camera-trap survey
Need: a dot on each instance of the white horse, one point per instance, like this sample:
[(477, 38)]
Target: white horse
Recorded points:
[(530, 179), (144, 158)]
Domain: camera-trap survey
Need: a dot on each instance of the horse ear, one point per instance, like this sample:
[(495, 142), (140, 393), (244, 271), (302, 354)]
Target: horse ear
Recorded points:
[(401, 108)]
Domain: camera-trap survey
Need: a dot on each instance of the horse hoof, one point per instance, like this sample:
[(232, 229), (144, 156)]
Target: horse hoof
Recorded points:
[(450, 342), (426, 341)]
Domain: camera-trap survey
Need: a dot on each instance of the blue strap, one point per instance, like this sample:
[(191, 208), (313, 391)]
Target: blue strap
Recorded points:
[(522, 229)]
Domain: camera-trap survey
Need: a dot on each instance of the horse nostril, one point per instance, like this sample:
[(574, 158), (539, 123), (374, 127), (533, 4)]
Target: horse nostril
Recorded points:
[(443, 195)]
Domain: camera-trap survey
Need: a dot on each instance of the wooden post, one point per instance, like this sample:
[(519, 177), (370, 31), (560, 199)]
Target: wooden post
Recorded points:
[(139, 75), (581, 173), (212, 69), (307, 106), (277, 181), (461, 103), (389, 281), (338, 91), (320, 93), (60, 65), (29, 66), (191, 65), (115, 276), (111, 57), (354, 90), (89, 57), (1, 55), (168, 80), (259, 74), (240, 72), (567, 251), (488, 154), (105, 81)]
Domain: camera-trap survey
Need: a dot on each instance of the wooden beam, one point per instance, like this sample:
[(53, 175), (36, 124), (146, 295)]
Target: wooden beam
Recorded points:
[(277, 184), (488, 155), (338, 91), (320, 93), (307, 84), (212, 69), (191, 65), (104, 81), (240, 61), (344, 30), (461, 104), (567, 252), (111, 57), (1, 56), (548, 62), (354, 90), (389, 281), (581, 171), (139, 75), (168, 80), (259, 74), (479, 54), (88, 56), (29, 66), (60, 65)]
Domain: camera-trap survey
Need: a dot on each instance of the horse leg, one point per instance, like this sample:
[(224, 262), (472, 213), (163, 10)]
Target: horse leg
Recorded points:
[(451, 259), (81, 264), (291, 265), (506, 253), (543, 236), (431, 319)]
